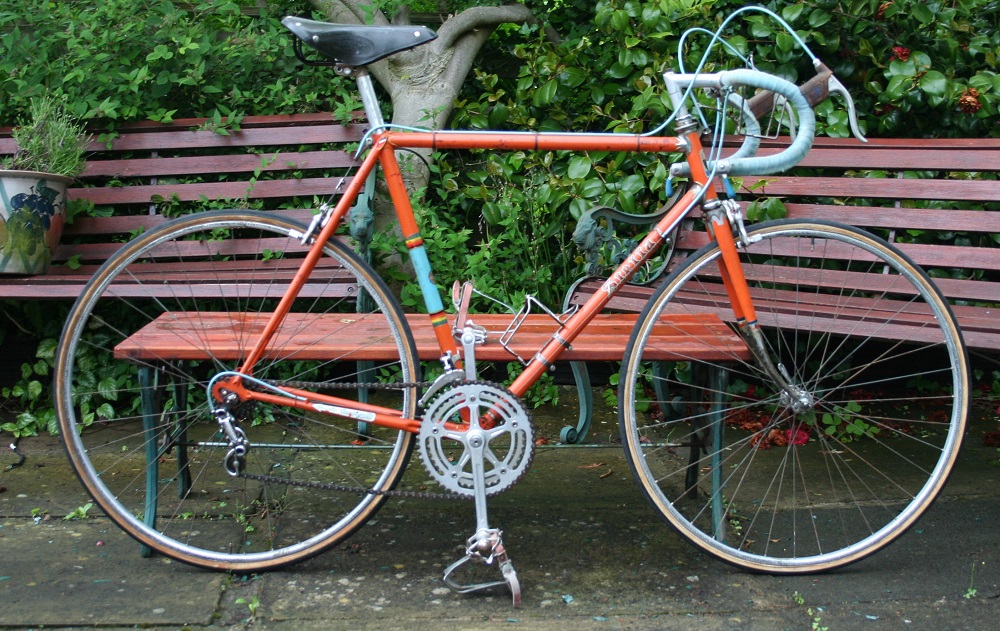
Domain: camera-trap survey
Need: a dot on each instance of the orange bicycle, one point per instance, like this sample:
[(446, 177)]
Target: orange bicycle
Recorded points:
[(255, 443)]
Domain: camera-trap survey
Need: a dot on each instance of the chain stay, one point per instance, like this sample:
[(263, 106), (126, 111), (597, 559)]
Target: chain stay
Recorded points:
[(355, 490)]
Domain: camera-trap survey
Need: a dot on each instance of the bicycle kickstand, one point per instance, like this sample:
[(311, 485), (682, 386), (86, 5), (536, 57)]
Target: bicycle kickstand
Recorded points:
[(486, 544), (490, 541)]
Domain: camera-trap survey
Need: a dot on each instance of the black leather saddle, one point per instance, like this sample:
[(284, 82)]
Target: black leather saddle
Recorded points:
[(357, 45)]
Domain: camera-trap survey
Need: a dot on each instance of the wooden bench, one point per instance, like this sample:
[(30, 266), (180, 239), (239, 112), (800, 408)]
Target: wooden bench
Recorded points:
[(367, 340), (905, 190), (150, 171)]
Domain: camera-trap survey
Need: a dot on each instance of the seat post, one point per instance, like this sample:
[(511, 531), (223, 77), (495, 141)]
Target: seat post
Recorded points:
[(367, 90)]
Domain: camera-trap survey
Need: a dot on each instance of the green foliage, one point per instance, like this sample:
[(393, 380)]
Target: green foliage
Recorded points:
[(947, 86), (49, 140), (168, 60), (80, 512)]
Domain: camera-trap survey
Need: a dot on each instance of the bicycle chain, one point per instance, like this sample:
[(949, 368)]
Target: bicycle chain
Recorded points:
[(355, 490), (326, 385), (343, 488)]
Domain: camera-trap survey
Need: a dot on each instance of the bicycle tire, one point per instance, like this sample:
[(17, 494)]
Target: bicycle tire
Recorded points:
[(761, 486), (161, 478)]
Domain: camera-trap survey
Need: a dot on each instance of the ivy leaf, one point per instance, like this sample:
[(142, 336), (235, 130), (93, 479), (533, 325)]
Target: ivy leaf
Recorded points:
[(108, 389)]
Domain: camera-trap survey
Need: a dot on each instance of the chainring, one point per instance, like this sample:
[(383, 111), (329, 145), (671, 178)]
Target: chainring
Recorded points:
[(453, 419)]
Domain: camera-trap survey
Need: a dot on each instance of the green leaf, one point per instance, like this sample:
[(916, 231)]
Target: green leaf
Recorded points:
[(818, 18), (792, 12), (785, 41), (898, 86), (761, 30), (632, 184), (592, 188), (546, 94), (579, 167), (108, 389), (922, 12), (47, 348), (934, 82), (906, 68)]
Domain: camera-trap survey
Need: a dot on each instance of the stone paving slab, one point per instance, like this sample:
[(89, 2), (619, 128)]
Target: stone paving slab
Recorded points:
[(589, 552)]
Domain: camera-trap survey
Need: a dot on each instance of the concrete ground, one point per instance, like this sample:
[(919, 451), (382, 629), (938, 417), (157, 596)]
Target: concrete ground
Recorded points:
[(588, 549)]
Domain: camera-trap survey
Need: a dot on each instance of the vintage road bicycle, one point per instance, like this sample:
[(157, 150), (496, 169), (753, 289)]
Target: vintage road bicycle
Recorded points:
[(274, 452)]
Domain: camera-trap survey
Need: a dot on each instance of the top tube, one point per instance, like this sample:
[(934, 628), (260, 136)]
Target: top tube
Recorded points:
[(532, 141)]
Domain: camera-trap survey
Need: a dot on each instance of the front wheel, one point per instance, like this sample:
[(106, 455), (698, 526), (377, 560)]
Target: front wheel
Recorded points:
[(138, 422), (822, 473)]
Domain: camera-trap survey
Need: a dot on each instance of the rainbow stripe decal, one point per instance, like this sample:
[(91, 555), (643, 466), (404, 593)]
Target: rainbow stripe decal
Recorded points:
[(439, 319)]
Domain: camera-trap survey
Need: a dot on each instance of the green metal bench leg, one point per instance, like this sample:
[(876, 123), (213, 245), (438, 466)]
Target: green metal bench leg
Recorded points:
[(179, 441), (362, 226), (150, 411), (719, 378), (576, 435), (671, 407)]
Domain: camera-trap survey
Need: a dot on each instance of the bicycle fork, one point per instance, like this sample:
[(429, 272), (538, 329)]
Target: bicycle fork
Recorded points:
[(725, 218)]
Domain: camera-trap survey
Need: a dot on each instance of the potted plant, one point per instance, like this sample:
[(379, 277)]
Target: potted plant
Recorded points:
[(50, 151)]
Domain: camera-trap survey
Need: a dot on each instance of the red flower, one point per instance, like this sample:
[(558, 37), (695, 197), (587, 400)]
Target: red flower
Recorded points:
[(797, 436), (900, 53)]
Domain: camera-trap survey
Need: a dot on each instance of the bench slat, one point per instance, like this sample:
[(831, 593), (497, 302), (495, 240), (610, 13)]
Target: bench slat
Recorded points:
[(357, 337), (878, 188), (926, 255), (196, 165), (190, 192), (170, 139)]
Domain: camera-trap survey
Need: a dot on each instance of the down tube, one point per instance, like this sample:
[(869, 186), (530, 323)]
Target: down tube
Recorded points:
[(577, 323), (415, 246)]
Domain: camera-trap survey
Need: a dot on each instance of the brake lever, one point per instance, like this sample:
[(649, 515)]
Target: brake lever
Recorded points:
[(816, 90)]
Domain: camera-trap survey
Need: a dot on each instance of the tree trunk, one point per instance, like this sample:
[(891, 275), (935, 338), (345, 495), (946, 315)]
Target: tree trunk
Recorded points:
[(423, 83)]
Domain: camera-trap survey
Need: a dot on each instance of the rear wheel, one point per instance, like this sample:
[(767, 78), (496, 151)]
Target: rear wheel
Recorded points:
[(843, 466), (138, 423)]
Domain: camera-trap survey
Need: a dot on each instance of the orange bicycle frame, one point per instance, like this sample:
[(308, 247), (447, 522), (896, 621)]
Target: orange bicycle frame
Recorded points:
[(383, 153)]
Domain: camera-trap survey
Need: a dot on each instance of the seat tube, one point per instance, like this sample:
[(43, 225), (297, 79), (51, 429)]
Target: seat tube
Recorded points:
[(415, 246)]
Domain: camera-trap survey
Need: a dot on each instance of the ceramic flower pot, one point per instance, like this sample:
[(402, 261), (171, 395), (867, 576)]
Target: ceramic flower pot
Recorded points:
[(32, 212)]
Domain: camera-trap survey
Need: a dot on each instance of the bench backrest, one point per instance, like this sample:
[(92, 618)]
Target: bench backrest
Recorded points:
[(149, 172), (938, 200)]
